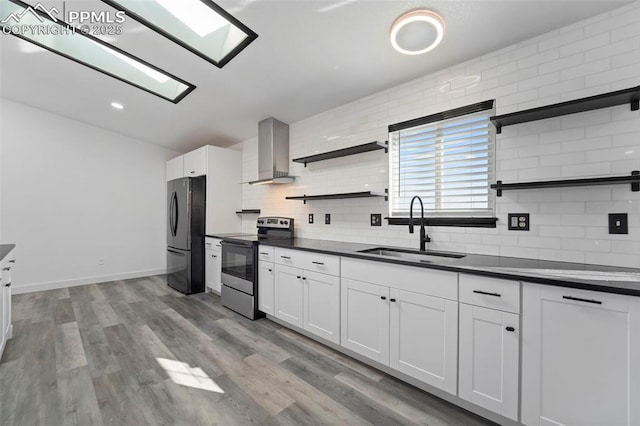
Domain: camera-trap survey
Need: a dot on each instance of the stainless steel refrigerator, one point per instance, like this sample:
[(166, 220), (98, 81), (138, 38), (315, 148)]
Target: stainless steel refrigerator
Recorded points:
[(185, 234)]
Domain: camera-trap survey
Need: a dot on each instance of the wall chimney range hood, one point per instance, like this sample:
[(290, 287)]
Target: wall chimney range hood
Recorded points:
[(273, 153)]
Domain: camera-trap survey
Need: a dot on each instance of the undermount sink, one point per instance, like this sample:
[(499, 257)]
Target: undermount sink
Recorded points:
[(412, 255)]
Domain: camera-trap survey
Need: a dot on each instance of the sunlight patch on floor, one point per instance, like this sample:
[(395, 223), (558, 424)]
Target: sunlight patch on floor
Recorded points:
[(182, 374)]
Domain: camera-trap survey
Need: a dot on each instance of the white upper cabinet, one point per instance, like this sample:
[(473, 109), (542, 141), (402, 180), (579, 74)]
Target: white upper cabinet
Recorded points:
[(580, 357), (175, 168), (195, 162)]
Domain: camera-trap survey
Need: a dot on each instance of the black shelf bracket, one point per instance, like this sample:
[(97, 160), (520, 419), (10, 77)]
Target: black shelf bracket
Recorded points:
[(248, 211), (633, 179)]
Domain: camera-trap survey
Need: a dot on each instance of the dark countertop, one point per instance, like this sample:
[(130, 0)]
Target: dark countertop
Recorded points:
[(603, 278), (5, 249)]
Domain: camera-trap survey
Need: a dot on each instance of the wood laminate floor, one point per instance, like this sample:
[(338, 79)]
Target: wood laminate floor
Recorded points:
[(137, 352)]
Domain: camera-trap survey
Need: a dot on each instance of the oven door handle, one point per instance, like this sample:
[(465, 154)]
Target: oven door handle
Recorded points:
[(229, 243)]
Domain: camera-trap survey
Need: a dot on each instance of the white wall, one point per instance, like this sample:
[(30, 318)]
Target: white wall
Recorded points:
[(73, 194), (597, 55)]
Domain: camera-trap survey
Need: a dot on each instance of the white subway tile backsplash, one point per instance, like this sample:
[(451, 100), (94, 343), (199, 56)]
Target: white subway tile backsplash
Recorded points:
[(567, 224)]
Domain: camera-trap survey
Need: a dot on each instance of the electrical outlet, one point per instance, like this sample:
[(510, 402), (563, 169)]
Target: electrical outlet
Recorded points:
[(618, 223), (327, 219), (310, 217), (376, 219), (518, 221), (101, 261)]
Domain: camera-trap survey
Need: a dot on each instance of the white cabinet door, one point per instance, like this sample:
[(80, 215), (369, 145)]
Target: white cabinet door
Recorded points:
[(266, 289), (580, 357), (365, 319), (175, 168), (213, 264), (424, 338), (195, 162), (322, 305), (288, 294), (489, 359), (5, 301)]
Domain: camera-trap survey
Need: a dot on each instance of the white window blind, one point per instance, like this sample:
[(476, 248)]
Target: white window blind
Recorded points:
[(448, 163)]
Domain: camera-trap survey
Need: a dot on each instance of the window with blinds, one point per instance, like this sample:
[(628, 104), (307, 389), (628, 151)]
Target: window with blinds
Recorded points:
[(449, 163)]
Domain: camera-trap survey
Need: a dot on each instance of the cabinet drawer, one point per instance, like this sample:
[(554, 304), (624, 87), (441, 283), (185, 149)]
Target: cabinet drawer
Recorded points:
[(288, 257), (266, 253), (320, 262), (491, 293), (431, 282)]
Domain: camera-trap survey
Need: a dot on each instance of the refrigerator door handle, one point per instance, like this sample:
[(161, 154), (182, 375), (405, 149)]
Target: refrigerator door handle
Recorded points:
[(175, 217), (171, 214)]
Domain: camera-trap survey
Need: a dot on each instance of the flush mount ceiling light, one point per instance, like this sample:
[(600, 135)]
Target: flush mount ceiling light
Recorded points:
[(31, 24), (417, 32), (200, 26), (116, 105)]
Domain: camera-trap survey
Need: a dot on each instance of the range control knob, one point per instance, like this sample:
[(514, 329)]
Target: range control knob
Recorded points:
[(286, 222), (281, 222)]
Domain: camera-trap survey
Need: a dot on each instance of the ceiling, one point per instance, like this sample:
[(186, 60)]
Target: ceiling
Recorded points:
[(310, 56)]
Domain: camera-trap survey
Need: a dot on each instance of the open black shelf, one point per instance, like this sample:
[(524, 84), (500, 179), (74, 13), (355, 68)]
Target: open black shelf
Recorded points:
[(633, 179), (358, 149), (248, 211), (630, 96), (364, 194)]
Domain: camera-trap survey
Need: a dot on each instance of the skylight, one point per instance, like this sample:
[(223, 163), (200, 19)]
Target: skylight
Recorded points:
[(201, 26), (42, 29)]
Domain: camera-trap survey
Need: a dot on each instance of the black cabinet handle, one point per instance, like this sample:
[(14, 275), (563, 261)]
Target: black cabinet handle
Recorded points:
[(8, 268), (392, 300), (383, 298), (213, 255), (299, 277), (270, 270), (12, 261), (577, 299), (286, 257), (7, 285), (304, 278), (510, 329), (264, 253), (317, 263), (486, 293)]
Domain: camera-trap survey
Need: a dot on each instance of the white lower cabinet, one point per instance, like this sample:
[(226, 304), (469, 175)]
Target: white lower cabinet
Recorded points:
[(288, 294), (365, 319), (309, 300), (403, 317), (266, 287), (5, 300), (213, 264), (424, 338), (580, 357), (489, 359)]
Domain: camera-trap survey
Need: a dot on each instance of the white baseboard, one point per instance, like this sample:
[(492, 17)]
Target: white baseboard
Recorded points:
[(53, 285)]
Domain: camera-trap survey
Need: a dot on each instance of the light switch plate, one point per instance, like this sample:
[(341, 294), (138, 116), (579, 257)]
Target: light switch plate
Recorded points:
[(310, 217), (618, 223)]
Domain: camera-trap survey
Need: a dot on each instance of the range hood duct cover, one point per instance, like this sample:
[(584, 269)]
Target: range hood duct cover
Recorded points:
[(273, 152)]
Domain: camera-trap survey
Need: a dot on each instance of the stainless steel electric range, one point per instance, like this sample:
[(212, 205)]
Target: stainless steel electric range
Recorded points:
[(240, 264)]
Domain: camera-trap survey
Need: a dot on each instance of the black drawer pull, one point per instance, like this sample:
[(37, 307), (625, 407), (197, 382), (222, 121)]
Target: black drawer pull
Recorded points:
[(298, 277), (393, 300), (213, 255), (383, 298), (8, 268), (304, 278), (486, 293), (12, 261), (285, 257), (577, 299), (270, 270), (510, 329), (317, 263), (7, 285), (267, 254)]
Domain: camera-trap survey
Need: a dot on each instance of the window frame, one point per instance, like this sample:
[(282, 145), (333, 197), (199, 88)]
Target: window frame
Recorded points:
[(464, 219)]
